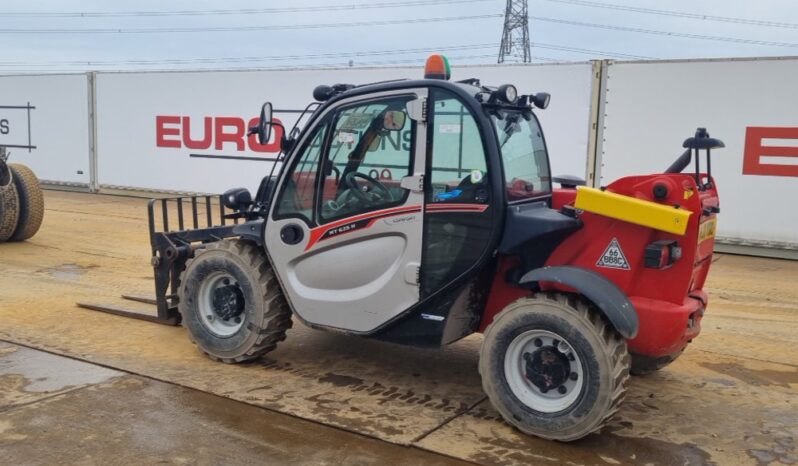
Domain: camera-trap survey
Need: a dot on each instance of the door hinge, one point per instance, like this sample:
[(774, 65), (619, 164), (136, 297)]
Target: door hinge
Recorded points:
[(424, 110)]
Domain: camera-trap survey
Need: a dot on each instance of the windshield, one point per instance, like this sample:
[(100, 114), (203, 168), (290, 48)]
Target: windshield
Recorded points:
[(523, 149)]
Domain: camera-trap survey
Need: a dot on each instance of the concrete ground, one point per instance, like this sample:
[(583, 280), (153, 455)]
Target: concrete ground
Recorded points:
[(731, 399), (56, 410)]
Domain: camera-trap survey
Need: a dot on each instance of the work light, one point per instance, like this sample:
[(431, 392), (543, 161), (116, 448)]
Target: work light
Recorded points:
[(507, 93)]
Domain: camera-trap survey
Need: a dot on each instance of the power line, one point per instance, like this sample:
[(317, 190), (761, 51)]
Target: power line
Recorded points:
[(679, 14), (564, 48), (180, 61), (281, 27), (244, 11), (390, 62), (297, 67), (249, 59), (667, 33)]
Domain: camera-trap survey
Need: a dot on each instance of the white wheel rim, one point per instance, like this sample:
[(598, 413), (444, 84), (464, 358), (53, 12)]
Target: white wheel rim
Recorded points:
[(540, 349), (210, 315)]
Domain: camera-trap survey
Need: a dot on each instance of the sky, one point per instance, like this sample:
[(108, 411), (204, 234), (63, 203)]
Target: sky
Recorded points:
[(42, 35)]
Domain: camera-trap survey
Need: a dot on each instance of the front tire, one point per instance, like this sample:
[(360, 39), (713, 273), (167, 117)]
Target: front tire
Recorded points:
[(553, 367), (231, 302)]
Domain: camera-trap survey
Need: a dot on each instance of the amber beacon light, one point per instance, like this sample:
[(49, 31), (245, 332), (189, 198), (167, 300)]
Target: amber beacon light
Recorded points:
[(437, 67)]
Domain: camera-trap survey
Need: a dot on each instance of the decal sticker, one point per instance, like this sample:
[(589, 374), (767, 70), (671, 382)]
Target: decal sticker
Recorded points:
[(449, 129), (357, 121), (347, 228), (396, 220), (366, 220), (613, 257), (707, 230), (358, 222), (346, 137)]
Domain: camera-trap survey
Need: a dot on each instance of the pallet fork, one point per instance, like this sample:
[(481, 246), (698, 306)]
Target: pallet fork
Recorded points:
[(171, 249)]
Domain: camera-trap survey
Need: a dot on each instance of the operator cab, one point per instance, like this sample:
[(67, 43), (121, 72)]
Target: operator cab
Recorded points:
[(402, 189)]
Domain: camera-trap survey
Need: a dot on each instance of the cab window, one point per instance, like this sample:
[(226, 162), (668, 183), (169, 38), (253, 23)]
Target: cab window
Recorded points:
[(371, 150), (296, 199), (458, 171), (524, 156)]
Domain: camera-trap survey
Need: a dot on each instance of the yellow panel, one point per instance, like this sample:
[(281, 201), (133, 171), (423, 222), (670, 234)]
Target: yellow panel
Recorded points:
[(632, 210)]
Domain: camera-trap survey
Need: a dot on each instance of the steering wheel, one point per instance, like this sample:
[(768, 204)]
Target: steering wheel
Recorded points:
[(349, 182)]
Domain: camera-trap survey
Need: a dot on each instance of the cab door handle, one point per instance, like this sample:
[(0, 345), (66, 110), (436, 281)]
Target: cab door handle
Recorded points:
[(291, 234), (414, 183)]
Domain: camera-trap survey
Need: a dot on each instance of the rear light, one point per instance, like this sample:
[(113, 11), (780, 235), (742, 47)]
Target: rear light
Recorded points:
[(662, 254)]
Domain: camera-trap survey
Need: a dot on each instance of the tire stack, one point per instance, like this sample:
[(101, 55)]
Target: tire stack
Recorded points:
[(21, 202)]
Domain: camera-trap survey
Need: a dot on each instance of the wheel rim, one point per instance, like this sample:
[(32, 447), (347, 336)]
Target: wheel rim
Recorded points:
[(221, 304), (544, 371)]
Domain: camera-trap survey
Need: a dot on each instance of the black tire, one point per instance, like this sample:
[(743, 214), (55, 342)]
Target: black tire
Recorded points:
[(264, 311), (31, 202), (601, 350), (9, 211), (644, 365)]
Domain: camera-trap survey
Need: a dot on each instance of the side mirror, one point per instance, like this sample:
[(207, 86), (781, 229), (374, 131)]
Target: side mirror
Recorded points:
[(237, 199), (394, 120), (264, 128)]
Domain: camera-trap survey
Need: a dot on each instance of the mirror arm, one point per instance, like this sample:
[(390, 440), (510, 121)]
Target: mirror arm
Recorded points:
[(286, 143)]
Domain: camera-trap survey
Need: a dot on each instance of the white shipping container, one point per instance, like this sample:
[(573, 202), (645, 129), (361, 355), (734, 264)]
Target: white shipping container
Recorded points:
[(44, 123), (183, 131), (651, 107)]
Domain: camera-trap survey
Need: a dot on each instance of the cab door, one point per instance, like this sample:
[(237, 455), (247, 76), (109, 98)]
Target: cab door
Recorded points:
[(460, 201), (345, 230)]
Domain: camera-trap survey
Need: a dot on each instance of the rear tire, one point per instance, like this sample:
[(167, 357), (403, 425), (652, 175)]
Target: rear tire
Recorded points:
[(566, 379), (231, 302), (9, 211), (31, 202)]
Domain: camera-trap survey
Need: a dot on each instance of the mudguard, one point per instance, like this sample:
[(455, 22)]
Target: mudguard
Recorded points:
[(251, 230), (595, 287)]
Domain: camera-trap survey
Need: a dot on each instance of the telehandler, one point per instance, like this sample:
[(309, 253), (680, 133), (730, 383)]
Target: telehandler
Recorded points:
[(421, 211)]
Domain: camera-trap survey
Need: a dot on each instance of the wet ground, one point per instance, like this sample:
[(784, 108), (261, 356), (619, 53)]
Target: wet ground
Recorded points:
[(731, 399), (55, 410)]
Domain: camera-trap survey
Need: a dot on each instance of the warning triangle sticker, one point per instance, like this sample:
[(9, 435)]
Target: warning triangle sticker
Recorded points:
[(613, 257)]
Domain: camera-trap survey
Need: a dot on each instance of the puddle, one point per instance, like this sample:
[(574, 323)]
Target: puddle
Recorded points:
[(650, 451), (68, 271), (47, 373), (756, 377), (596, 449)]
